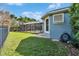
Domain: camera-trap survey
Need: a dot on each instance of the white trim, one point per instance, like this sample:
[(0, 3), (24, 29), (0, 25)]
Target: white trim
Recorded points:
[(56, 11), (56, 22), (48, 25)]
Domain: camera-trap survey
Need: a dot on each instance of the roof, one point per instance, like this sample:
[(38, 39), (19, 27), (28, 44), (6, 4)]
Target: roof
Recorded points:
[(55, 11)]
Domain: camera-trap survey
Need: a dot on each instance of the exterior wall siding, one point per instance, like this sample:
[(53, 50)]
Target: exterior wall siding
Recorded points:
[(57, 29), (3, 35)]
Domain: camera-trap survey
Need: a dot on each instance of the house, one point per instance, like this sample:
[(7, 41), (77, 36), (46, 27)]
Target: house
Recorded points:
[(4, 25), (56, 22)]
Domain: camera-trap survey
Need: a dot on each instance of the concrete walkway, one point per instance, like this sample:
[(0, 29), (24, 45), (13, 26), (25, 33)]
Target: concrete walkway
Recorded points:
[(42, 35)]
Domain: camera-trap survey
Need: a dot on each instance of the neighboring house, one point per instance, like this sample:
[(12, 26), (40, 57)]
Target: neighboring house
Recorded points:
[(57, 22), (5, 21)]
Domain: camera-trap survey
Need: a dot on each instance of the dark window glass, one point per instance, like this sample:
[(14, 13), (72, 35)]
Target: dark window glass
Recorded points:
[(47, 22)]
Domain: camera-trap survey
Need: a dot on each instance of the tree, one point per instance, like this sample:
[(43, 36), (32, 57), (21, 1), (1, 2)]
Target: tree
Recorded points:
[(74, 15), (12, 16), (5, 19), (13, 19), (25, 19)]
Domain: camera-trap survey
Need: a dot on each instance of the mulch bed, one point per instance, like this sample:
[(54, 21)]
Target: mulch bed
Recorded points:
[(72, 50)]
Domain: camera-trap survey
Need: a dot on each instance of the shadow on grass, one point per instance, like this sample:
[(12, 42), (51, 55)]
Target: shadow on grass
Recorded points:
[(35, 46)]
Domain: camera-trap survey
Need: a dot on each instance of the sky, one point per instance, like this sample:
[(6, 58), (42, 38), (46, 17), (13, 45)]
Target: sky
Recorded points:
[(32, 10)]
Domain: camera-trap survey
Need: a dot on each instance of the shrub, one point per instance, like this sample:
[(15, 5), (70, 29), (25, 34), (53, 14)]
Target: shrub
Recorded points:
[(75, 41), (74, 15)]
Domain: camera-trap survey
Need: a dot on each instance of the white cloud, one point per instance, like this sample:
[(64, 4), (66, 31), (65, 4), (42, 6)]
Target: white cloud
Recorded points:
[(54, 5), (35, 15), (17, 4)]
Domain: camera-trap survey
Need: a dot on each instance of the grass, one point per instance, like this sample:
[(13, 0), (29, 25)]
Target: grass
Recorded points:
[(26, 44)]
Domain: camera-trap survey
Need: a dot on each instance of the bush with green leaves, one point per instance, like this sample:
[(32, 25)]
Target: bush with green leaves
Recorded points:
[(75, 41), (77, 37), (74, 15)]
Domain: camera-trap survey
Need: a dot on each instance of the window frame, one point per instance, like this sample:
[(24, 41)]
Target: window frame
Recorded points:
[(56, 22), (48, 25)]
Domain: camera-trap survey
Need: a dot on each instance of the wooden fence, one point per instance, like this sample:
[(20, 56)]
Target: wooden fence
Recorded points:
[(29, 27)]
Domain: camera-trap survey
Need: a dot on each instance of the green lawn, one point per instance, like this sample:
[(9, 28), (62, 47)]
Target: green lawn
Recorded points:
[(18, 43)]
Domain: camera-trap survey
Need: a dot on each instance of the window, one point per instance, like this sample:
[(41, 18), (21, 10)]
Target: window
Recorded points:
[(58, 18), (47, 24)]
